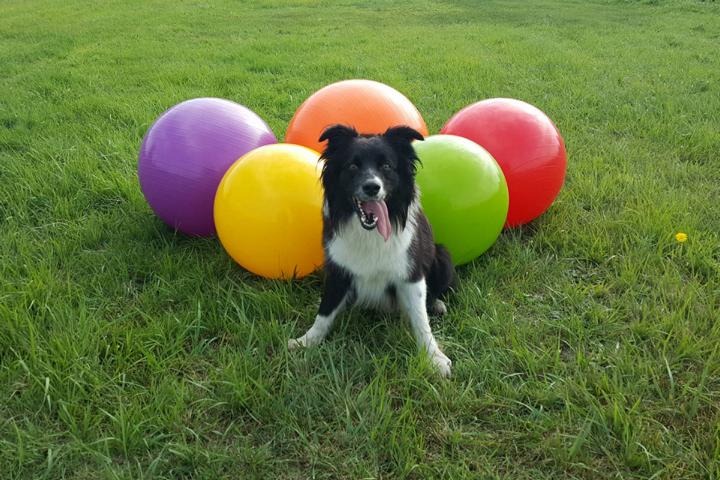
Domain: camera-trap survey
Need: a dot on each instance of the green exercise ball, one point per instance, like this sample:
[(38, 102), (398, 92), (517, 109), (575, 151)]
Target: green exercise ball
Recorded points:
[(463, 193)]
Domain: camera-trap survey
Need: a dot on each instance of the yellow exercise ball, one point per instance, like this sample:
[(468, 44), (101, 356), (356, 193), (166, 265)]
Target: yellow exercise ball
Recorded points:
[(268, 211)]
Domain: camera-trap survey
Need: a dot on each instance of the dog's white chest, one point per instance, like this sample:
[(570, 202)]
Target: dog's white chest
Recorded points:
[(374, 263)]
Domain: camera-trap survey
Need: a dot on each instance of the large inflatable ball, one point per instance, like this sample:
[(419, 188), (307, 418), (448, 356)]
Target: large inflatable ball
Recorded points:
[(369, 106), (185, 154), (527, 146), (463, 193), (268, 211)]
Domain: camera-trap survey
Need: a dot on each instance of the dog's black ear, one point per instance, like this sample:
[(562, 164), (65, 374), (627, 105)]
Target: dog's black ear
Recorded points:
[(400, 139), (403, 133), (338, 134)]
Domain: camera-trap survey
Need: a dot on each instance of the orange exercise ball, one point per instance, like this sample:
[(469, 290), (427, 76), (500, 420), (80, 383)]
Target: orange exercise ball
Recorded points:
[(369, 106)]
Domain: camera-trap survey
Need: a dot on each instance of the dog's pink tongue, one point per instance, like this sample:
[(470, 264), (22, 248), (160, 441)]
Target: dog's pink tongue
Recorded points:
[(381, 213)]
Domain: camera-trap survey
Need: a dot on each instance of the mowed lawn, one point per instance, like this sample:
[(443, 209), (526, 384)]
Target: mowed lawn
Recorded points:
[(585, 345)]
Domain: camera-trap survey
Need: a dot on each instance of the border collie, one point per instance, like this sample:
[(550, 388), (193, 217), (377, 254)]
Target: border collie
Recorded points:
[(379, 249)]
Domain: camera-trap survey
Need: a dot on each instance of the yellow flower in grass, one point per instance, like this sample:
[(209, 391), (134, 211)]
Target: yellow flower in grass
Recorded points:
[(681, 237)]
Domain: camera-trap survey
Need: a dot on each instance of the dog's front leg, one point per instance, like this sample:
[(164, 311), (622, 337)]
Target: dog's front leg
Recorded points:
[(412, 297), (334, 298)]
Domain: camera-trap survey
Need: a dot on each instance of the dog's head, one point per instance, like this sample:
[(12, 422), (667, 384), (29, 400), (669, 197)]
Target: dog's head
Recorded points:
[(370, 176)]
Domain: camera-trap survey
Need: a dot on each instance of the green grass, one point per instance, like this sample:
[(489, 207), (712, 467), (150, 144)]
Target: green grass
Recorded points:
[(585, 345)]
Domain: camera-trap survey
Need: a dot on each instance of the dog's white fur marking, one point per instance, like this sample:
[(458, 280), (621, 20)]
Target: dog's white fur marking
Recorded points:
[(439, 307), (376, 178), (376, 264), (319, 330), (412, 300)]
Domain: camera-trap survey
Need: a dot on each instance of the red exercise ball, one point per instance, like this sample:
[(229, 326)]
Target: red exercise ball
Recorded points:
[(526, 144)]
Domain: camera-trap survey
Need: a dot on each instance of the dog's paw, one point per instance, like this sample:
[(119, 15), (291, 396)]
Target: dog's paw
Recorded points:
[(438, 308), (442, 363), (304, 341), (296, 343)]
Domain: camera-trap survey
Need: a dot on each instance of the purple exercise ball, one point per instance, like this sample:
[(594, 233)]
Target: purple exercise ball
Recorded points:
[(185, 154)]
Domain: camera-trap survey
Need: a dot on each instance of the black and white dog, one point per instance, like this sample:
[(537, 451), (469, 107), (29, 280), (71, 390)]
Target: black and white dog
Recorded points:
[(379, 249)]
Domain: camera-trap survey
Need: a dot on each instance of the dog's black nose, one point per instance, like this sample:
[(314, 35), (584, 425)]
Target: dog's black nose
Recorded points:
[(371, 188)]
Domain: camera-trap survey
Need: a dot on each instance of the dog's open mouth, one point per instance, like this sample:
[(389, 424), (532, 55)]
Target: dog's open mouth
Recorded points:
[(374, 214), (368, 219)]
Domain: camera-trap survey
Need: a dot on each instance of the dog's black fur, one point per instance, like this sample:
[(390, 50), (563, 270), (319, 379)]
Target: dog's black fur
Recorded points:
[(349, 157)]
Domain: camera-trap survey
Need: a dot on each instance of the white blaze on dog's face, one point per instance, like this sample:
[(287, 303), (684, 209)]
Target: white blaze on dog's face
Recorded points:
[(371, 175)]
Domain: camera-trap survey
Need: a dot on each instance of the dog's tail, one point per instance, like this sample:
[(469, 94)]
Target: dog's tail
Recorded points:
[(442, 273)]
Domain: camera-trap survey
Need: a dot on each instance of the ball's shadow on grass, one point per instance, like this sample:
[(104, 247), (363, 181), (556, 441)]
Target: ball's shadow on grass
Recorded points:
[(518, 236)]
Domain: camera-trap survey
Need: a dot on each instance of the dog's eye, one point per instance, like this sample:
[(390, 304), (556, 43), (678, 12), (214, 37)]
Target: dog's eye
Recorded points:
[(386, 166), (353, 167)]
